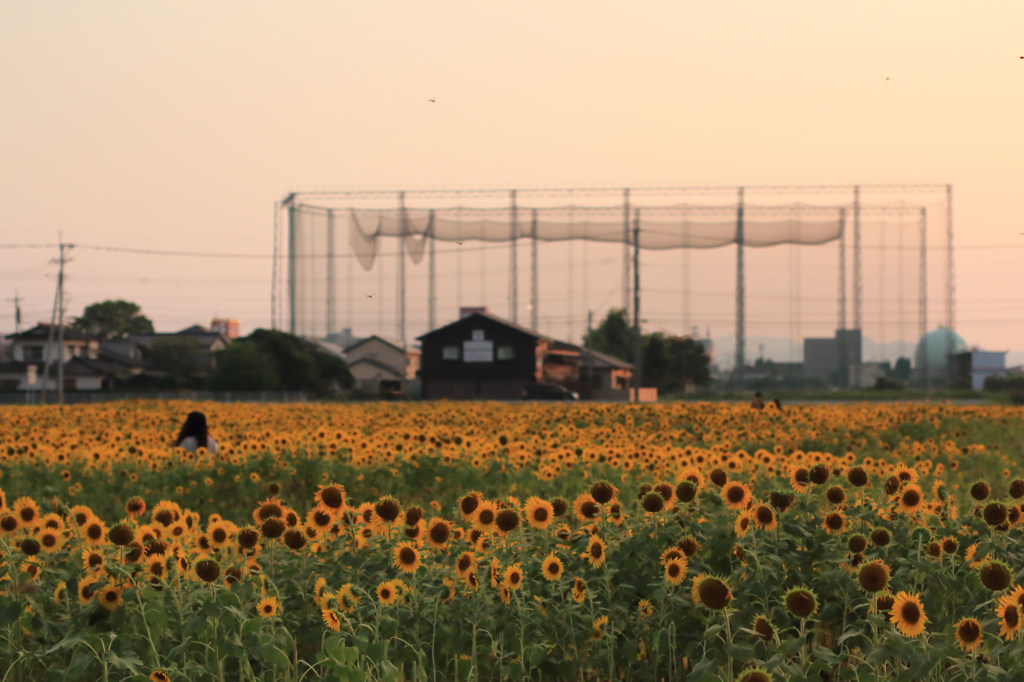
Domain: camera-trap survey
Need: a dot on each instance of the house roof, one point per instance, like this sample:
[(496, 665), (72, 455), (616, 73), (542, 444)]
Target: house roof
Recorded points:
[(492, 318), (602, 361), (203, 337), (41, 332), (373, 362), (360, 342)]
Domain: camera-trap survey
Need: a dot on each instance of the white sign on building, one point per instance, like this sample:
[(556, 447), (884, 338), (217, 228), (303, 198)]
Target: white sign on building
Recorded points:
[(479, 349)]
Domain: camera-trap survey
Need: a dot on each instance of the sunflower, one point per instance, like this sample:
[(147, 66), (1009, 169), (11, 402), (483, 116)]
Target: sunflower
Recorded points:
[(585, 508), (873, 577), (712, 592), (268, 607), (645, 609), (469, 504), (387, 593), (407, 557), (910, 499), (908, 615), (755, 675), (834, 523), (595, 552), (513, 577), (995, 575), (764, 517), (87, 589), (159, 676), (742, 524), (320, 592), (347, 599), (331, 619), (94, 533), (93, 561), (539, 513), (331, 498), (552, 567), (675, 571), (1008, 613), (109, 597), (695, 477), (579, 590), (763, 627), (59, 592), (799, 477), (598, 626), (220, 534), (801, 602), (26, 511), (438, 533), (736, 495), (968, 634), (505, 594), (485, 519), (465, 563)]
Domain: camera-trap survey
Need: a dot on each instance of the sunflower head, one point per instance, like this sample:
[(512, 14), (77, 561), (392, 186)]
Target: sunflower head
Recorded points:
[(763, 627), (857, 477), (908, 615), (653, 502), (873, 577), (801, 602), (994, 514), (995, 575), (968, 634), (712, 592), (755, 675), (980, 491)]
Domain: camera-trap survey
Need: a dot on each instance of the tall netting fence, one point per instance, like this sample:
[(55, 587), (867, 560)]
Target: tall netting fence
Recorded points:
[(814, 260)]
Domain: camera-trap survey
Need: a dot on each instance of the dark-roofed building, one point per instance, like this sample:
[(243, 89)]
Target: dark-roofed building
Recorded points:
[(88, 364), (377, 365), (480, 356)]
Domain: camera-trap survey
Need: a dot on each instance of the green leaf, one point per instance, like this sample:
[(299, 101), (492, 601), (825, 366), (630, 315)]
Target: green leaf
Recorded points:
[(9, 614), (157, 619), (274, 656), (128, 661)]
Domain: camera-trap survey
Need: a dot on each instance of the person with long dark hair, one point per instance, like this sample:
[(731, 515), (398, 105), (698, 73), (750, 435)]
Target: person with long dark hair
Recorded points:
[(194, 434)]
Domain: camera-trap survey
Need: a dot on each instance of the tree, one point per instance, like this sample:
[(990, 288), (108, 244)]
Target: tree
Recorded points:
[(180, 358), (669, 362), (242, 367), (614, 336), (113, 320), (902, 371), (279, 361)]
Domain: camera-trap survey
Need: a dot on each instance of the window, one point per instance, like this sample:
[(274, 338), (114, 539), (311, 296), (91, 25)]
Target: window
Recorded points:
[(450, 353), (32, 353), (506, 352)]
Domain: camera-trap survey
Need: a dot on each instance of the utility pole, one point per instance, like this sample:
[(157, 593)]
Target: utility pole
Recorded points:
[(17, 312), (60, 323), (638, 363), (590, 351)]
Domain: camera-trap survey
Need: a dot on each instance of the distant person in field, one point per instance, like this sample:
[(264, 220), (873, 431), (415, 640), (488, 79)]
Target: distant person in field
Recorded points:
[(195, 435), (758, 402), (778, 403)]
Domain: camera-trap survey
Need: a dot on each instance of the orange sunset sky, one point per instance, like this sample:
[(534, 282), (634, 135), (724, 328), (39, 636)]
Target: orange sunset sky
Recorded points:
[(176, 125)]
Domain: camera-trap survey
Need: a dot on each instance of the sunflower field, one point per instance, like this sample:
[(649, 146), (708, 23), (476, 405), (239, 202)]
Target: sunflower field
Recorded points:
[(476, 541)]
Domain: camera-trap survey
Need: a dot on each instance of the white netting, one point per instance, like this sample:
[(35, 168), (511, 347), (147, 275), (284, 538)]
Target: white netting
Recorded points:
[(661, 227)]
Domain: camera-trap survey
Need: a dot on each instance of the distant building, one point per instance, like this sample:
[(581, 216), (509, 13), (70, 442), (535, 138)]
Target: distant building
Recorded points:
[(833, 360), (208, 342), (88, 366), (229, 329), (483, 356), (480, 356), (978, 365), (377, 365)]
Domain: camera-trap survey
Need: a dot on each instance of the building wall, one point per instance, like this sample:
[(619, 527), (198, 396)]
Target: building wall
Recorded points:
[(821, 358), (380, 351), (522, 366)]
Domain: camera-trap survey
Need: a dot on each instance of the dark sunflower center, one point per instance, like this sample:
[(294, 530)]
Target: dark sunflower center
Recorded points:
[(596, 550), (910, 613), (486, 517), (969, 632), (552, 568), (1011, 616), (735, 494), (540, 514), (911, 498), (673, 570)]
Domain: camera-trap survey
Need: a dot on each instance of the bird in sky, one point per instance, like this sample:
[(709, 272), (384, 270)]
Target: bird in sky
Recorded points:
[(459, 243), (432, 100), (887, 78), (369, 295)]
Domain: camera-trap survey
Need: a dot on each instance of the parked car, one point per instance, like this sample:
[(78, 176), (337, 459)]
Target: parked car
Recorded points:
[(549, 392)]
